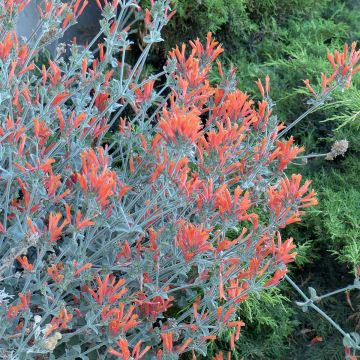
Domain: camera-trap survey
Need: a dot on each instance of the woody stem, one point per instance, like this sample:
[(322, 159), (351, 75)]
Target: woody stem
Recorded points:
[(309, 302), (311, 156), (347, 288), (307, 112)]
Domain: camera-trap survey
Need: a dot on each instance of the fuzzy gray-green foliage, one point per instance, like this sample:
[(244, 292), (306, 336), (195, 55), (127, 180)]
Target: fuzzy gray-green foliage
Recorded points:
[(289, 39)]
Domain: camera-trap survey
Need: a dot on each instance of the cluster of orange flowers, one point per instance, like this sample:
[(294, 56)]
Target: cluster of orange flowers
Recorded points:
[(131, 227)]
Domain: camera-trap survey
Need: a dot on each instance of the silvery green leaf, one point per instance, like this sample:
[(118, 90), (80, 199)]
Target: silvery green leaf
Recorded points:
[(105, 26), (108, 12), (4, 95), (348, 341), (201, 348), (15, 232), (247, 184), (4, 297), (154, 37), (303, 305), (90, 320), (114, 107), (313, 294), (114, 62), (75, 352), (356, 337), (182, 301), (5, 174), (137, 229)]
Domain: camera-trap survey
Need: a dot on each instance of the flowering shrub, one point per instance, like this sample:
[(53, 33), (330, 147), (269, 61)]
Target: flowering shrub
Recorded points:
[(118, 194)]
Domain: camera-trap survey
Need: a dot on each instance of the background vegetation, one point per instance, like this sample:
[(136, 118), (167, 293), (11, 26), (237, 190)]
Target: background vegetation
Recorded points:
[(289, 39)]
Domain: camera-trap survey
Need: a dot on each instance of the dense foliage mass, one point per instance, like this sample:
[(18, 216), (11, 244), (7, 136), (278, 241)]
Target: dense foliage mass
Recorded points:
[(139, 212), (287, 39)]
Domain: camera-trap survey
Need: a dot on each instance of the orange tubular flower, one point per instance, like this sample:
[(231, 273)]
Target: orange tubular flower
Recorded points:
[(307, 83), (28, 68), (53, 272), (124, 353), (144, 95), (25, 263), (238, 324), (345, 62), (147, 17), (155, 306), (61, 119), (235, 290), (120, 320), (158, 170), (101, 101), (60, 98), (167, 339), (279, 274), (261, 88), (290, 192), (21, 145), (125, 252), (211, 51), (51, 184), (41, 131), (2, 229), (181, 348), (59, 322), (192, 240), (66, 21), (227, 314), (83, 66), (180, 124), (34, 229), (78, 120), (78, 12), (23, 54), (226, 205), (124, 348), (235, 106), (95, 175), (123, 189), (285, 152), (108, 289), (55, 229), (12, 70), (56, 72), (293, 189), (283, 249), (24, 304), (82, 223), (261, 116), (343, 65), (191, 72), (81, 269), (10, 40), (224, 141)]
